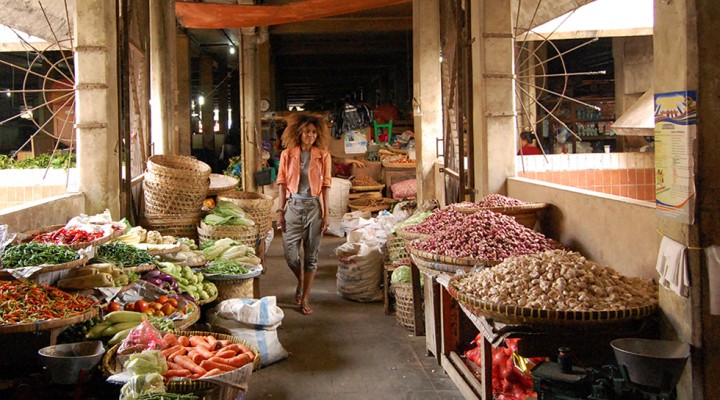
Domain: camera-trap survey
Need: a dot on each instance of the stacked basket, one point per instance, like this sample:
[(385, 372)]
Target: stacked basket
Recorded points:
[(174, 189), (257, 207), (404, 308)]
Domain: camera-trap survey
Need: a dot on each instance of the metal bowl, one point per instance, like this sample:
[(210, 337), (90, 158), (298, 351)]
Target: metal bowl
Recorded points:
[(655, 364), (65, 362)]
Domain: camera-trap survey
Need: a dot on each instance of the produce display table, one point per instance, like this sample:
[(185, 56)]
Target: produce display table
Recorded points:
[(456, 326)]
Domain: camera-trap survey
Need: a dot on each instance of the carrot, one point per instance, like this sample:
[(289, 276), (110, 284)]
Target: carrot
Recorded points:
[(167, 352), (224, 342), (213, 372), (171, 373), (180, 352), (212, 342), (175, 366), (170, 339), (195, 356), (237, 361), (208, 364), (196, 341), (243, 348), (183, 340), (224, 353), (205, 353), (196, 376), (185, 361), (251, 355), (233, 347)]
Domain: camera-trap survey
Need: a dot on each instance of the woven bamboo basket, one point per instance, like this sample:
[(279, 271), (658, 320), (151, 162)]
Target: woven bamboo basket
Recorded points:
[(404, 309), (221, 183), (178, 167), (369, 188), (247, 235), (526, 215), (366, 204), (5, 274), (233, 288), (74, 246), (514, 315), (397, 251), (201, 388), (407, 235), (168, 198), (178, 225), (257, 206)]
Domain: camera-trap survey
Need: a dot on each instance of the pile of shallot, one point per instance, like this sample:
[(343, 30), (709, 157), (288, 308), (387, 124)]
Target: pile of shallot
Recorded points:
[(494, 200), (484, 235), (438, 221)]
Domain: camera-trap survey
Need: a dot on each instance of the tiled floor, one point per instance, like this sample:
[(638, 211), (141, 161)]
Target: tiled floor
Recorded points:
[(344, 350)]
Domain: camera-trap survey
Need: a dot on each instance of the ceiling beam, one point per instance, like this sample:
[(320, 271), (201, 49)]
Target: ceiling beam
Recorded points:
[(345, 25), (218, 16)]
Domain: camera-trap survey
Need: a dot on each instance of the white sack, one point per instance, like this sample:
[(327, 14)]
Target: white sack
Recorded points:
[(337, 205), (359, 273)]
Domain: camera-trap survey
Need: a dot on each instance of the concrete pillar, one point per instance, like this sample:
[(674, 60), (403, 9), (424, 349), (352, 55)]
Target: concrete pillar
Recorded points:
[(182, 119), (493, 94), (708, 182), (162, 77), (206, 109), (675, 59), (96, 107), (427, 93), (249, 113)]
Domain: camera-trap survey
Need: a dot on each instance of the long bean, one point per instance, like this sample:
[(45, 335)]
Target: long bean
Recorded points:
[(33, 254)]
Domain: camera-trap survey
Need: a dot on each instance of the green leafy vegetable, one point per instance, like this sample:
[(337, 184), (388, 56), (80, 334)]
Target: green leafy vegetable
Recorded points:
[(34, 253)]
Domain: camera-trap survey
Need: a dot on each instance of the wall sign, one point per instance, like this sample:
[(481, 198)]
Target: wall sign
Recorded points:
[(675, 133)]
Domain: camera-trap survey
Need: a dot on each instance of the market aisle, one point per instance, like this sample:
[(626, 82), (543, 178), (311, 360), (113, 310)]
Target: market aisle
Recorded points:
[(344, 350)]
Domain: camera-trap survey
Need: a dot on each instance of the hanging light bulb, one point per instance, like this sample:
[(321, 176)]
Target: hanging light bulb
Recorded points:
[(232, 49)]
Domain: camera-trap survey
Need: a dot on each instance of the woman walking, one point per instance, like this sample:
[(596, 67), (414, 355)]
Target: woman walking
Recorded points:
[(304, 182)]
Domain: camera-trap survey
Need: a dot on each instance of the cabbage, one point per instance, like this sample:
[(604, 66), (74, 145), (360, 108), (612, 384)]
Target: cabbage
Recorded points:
[(139, 385), (146, 362), (401, 275), (228, 213)]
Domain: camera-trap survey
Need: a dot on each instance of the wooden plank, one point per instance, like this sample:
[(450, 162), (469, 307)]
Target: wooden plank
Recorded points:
[(417, 301), (458, 379), (433, 323)]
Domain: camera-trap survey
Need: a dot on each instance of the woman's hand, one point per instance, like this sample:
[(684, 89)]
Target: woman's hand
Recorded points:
[(281, 221), (356, 163), (325, 224)]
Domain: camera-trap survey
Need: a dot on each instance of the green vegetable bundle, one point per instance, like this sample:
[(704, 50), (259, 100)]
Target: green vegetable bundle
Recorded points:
[(227, 213), (122, 255), (226, 267), (34, 254)]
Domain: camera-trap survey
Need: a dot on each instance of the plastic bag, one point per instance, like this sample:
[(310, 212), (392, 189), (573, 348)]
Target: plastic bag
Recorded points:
[(143, 337)]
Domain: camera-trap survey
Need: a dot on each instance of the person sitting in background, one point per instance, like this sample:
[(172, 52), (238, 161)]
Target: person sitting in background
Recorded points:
[(527, 147)]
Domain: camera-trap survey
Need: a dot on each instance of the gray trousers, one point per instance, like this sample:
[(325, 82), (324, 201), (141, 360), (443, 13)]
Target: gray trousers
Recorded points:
[(303, 222)]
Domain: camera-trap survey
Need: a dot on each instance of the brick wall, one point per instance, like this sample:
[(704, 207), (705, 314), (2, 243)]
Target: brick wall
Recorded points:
[(19, 187)]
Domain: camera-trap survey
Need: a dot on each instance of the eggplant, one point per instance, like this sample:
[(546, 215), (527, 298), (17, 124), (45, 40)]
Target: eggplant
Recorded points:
[(152, 274)]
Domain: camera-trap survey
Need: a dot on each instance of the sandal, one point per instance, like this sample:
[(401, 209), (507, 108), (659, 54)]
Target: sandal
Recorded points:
[(298, 296), (305, 309)]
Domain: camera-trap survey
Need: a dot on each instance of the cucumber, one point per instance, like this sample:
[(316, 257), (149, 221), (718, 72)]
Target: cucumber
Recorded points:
[(125, 316), (119, 336), (120, 326)]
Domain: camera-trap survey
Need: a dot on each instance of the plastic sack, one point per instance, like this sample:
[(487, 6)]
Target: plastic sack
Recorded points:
[(255, 321), (337, 205), (143, 337), (359, 272), (353, 219)]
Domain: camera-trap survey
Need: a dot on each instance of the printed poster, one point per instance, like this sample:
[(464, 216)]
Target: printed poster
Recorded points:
[(355, 142), (675, 132)]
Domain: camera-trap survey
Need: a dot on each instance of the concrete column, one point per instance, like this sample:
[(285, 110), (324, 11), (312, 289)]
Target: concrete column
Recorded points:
[(427, 93), (182, 119), (206, 109), (708, 182), (494, 94), (96, 107), (249, 113), (162, 77)]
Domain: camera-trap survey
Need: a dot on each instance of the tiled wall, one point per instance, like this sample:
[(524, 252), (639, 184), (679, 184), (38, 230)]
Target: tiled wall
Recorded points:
[(629, 175), (23, 186)]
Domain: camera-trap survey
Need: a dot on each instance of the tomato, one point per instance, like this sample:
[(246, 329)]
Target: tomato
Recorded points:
[(162, 299), (149, 311), (141, 305), (155, 305), (129, 306), (158, 313), (167, 309), (114, 306), (173, 302)]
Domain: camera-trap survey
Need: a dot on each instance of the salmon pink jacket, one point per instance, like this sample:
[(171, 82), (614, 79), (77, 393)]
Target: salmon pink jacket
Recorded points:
[(318, 171)]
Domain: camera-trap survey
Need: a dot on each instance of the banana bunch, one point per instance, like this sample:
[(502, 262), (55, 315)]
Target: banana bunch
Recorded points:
[(117, 324), (94, 275)]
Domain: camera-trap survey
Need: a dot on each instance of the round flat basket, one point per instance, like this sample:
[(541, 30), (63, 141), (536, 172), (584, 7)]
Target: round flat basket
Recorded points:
[(140, 268), (526, 215), (5, 274), (370, 204), (74, 246), (190, 319), (50, 323), (406, 235), (247, 235), (110, 366), (516, 315), (445, 263), (399, 164), (404, 308), (257, 206), (222, 183), (366, 188)]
